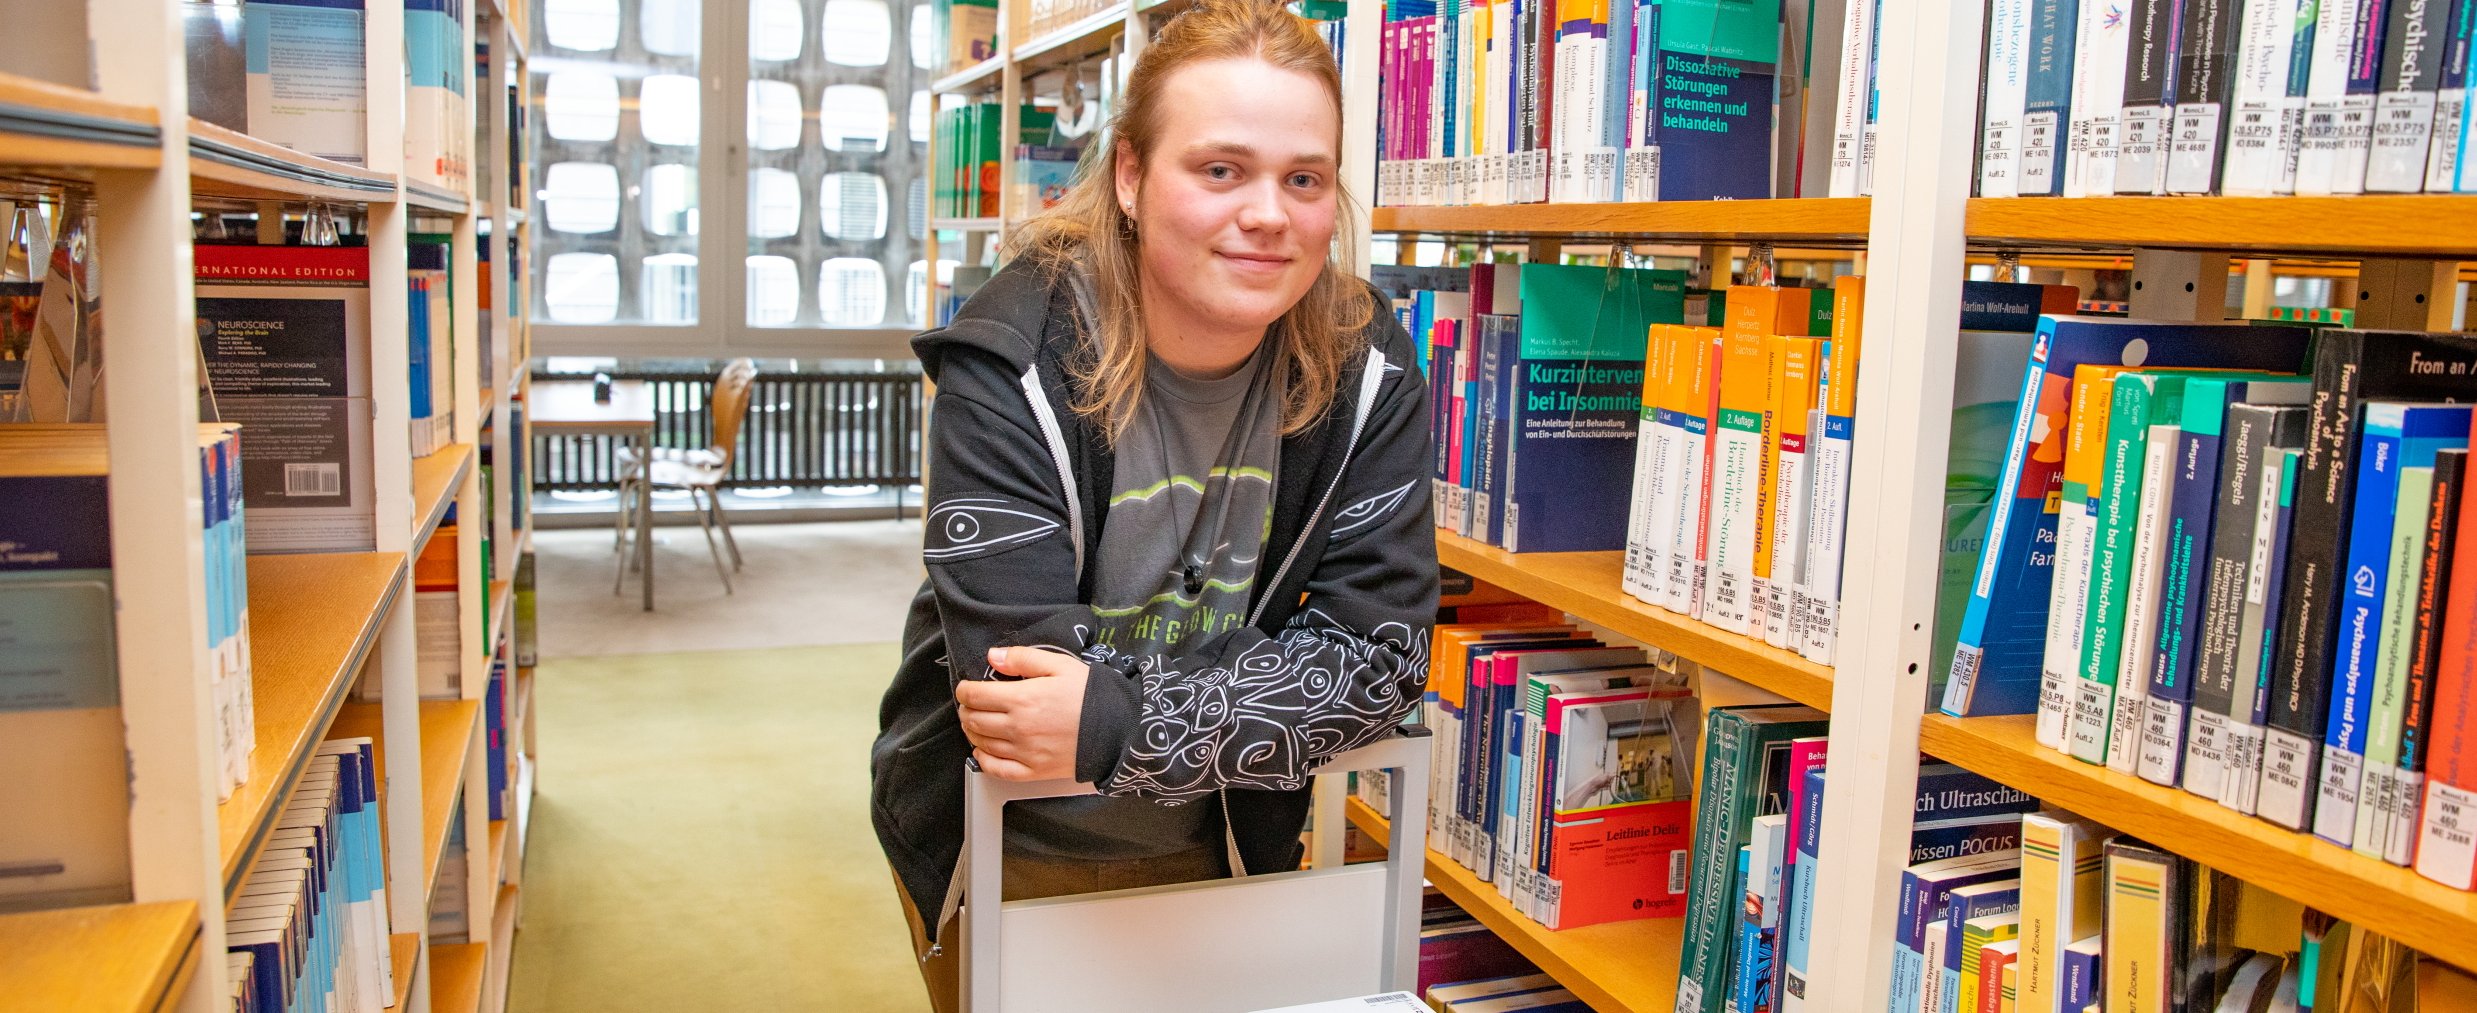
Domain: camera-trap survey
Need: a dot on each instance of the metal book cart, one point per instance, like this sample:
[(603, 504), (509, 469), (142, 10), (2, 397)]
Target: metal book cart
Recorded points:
[(1324, 932)]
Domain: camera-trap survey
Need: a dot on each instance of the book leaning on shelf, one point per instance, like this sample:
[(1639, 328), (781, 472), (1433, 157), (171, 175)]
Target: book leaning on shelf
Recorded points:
[(65, 778), (285, 332)]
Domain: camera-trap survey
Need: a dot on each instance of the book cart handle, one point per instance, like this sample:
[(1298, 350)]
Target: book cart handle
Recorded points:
[(1405, 755)]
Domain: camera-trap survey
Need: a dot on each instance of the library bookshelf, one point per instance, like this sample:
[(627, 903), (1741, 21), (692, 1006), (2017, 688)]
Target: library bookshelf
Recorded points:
[(1915, 237), (333, 637)]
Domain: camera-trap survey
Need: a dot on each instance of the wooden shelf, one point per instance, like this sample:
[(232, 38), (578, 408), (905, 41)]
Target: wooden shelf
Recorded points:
[(2427, 916), (2418, 225), (980, 76), (456, 977), (104, 959), (446, 738), (966, 224), (230, 164), (312, 620), (502, 944), (496, 849), (49, 126), (1829, 220), (436, 479), (404, 950), (1085, 36), (429, 198), (1617, 967), (1586, 584)]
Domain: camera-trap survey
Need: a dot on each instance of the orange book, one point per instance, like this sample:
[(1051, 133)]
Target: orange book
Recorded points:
[(1692, 396), (1780, 532), (2447, 827), (1736, 452)]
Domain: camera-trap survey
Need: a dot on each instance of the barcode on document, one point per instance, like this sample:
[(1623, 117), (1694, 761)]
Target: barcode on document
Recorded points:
[(1677, 872), (313, 480)]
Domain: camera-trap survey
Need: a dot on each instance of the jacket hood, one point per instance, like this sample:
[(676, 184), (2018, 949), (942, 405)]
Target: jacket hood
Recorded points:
[(1007, 317)]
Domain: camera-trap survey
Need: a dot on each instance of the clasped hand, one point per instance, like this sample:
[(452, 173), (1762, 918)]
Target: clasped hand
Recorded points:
[(1025, 730)]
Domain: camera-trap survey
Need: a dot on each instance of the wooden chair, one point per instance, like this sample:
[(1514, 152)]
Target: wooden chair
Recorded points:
[(698, 471)]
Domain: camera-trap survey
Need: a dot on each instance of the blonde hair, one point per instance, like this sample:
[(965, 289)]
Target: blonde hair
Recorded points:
[(1087, 230)]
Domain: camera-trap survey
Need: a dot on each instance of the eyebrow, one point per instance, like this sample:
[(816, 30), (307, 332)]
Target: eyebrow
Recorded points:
[(1238, 150)]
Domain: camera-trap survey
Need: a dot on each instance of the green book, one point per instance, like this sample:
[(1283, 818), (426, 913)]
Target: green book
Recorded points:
[(2139, 400), (2399, 614), (1745, 775)]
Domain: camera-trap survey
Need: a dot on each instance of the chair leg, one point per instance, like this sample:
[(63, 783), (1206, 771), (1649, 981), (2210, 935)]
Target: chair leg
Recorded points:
[(619, 521), (619, 578), (713, 497), (706, 523)]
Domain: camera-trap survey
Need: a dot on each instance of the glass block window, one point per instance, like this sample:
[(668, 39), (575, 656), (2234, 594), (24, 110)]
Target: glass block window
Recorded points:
[(831, 201), (865, 82), (619, 145)]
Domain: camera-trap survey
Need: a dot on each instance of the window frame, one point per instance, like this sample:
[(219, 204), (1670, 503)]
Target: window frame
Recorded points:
[(723, 161)]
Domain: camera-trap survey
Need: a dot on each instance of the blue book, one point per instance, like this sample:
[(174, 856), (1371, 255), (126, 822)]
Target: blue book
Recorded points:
[(1947, 792), (2084, 966), (1961, 838), (2003, 639), (1926, 891), (2192, 497), (2002, 305), (2397, 435), (1499, 356), (1575, 402), (1978, 900), (1718, 59)]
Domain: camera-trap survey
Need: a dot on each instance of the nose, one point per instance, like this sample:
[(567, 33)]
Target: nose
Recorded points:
[(1263, 210)]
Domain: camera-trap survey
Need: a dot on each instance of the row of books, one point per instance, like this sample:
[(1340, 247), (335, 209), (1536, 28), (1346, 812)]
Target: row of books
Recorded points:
[(430, 345), (1528, 101), (1562, 766), (2078, 918), (69, 843), (970, 145), (2233, 569), (2252, 97), (291, 72), (307, 931)]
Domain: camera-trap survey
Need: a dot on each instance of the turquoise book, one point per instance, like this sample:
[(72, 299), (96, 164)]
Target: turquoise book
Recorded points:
[(1718, 61), (1574, 398)]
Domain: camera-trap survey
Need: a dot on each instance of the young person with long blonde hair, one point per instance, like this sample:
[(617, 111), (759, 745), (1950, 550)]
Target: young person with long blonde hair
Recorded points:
[(1178, 537)]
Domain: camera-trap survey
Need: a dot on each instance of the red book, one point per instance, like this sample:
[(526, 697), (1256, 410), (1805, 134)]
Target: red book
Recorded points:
[(2447, 833)]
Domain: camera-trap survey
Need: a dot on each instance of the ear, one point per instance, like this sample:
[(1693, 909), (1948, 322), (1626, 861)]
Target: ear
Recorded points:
[(1128, 172)]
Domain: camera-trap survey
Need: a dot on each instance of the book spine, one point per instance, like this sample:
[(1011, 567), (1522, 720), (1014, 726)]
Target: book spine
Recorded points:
[(2193, 473), (1669, 459), (2068, 605), (2254, 131), (2301, 680), (2404, 106), (2324, 142), (2379, 798), (1488, 501), (2206, 50), (2149, 68), (1874, 101), (2442, 156), (2447, 826), (2425, 659), (2112, 551), (2005, 96), (1737, 475), (2098, 100), (2357, 615), (1799, 929), (1828, 503), (1969, 662), (1857, 75), (2232, 533), (1642, 157), (1703, 949), (2143, 613), (1697, 358), (2265, 589), (2357, 103), (2047, 108), (1793, 479), (1641, 556), (2141, 928)]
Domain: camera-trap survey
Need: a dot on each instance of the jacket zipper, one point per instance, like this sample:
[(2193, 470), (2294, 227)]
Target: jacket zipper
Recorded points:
[(1369, 379)]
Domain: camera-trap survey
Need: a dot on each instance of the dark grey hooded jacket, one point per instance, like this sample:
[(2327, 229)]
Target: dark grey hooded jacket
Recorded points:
[(1335, 652)]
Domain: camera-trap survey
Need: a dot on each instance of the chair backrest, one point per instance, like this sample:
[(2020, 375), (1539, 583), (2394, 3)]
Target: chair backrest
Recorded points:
[(729, 407)]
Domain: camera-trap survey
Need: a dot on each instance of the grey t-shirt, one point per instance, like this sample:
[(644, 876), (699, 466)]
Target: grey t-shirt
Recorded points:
[(1191, 503)]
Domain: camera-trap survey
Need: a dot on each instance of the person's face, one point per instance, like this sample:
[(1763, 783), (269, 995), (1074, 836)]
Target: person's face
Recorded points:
[(1236, 209)]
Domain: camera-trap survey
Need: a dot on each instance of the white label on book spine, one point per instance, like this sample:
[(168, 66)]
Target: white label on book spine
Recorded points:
[(2356, 141), (2124, 730), (2241, 789), (2335, 810), (1689, 995), (2087, 737), (2162, 743), (2038, 153), (2399, 843), (2375, 803), (2067, 608), (2286, 794), (1998, 163), (2206, 755), (2317, 157), (2140, 166), (2447, 837), (2442, 158), (2254, 155), (2006, 95), (2192, 163), (1642, 168), (1866, 162), (2397, 161)]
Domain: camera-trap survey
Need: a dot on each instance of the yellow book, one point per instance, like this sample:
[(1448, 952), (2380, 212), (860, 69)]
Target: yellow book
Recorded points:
[(2011, 1000), (1780, 537), (2085, 450), (2060, 858), (1816, 602), (2142, 884), (1976, 935)]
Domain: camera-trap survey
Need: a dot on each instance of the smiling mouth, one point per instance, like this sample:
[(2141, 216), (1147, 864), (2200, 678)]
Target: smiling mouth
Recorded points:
[(1246, 260)]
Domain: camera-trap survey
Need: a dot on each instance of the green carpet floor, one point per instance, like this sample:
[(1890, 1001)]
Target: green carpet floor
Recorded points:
[(700, 838)]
